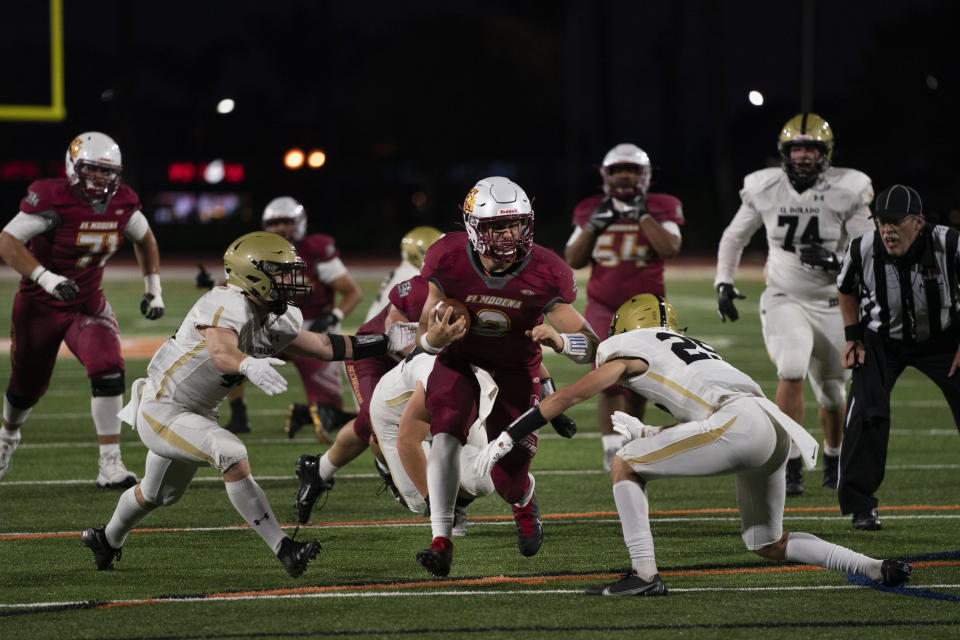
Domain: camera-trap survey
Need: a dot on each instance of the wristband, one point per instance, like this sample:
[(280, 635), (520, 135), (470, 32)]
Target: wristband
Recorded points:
[(338, 313), (853, 332), (547, 387), (151, 284), (369, 345), (339, 345), (526, 424), (36, 273), (429, 348)]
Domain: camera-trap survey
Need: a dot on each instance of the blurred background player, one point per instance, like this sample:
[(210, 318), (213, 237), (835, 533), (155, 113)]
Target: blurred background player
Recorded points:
[(413, 247), (624, 234), (508, 284), (810, 210), (60, 241)]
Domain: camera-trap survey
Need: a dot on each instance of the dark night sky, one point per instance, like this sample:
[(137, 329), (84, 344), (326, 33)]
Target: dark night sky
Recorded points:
[(432, 96)]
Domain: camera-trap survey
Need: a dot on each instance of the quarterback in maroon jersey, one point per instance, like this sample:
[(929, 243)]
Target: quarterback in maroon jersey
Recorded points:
[(60, 241), (508, 284), (624, 234)]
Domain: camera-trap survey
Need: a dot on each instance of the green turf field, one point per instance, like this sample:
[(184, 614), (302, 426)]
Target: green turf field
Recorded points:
[(195, 571)]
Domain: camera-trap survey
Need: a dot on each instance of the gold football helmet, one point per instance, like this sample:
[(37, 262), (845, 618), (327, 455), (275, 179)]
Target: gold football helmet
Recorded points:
[(414, 245), (644, 311), (805, 129), (266, 266)]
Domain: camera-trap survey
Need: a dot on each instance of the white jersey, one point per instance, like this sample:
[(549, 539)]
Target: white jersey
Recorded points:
[(685, 377), (181, 371), (397, 385), (830, 213), (403, 272)]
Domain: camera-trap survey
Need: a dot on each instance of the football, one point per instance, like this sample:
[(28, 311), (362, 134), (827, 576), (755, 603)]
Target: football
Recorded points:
[(459, 309)]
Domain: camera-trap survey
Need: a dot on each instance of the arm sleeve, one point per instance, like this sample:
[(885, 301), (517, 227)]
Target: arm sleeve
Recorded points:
[(24, 226), (735, 237), (137, 227), (329, 270)]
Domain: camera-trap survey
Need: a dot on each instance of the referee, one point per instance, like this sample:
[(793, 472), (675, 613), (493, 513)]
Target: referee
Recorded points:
[(900, 302)]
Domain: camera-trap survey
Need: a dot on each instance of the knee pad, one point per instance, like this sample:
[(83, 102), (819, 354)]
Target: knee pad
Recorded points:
[(161, 496), (108, 385), (228, 449)]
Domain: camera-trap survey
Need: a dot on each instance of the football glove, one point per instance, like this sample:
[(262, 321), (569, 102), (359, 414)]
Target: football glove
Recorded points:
[(630, 427), (564, 425), (260, 372), (401, 337), (62, 289), (327, 323), (203, 280), (151, 306), (601, 218), (817, 255), (726, 294), (492, 453)]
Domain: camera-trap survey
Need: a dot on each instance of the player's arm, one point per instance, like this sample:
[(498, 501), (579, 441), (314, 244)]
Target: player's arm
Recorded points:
[(16, 255), (350, 294), (13, 251), (853, 353), (147, 252), (225, 355), (433, 335), (414, 428), (568, 334), (580, 244), (664, 238)]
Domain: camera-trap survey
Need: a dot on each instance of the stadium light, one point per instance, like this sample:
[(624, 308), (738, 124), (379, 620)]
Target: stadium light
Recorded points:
[(225, 106), (293, 159), (316, 159), (755, 98), (213, 172)]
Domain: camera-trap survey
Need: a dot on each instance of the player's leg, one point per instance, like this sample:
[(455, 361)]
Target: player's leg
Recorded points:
[(828, 380), (239, 421), (616, 398), (789, 339), (323, 384), (316, 472)]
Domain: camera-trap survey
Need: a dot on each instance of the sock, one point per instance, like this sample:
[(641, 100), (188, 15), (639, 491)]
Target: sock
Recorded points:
[(12, 415), (128, 514), (108, 448), (528, 494), (632, 507), (325, 468), (251, 502), (443, 480), (9, 436), (833, 452), (104, 410), (809, 549), (612, 441)]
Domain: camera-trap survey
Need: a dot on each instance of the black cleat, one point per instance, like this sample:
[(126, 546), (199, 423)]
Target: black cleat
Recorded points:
[(438, 557), (295, 556), (630, 585), (831, 472), (867, 520), (388, 483), (297, 416), (794, 474), (895, 573), (327, 419), (529, 528), (103, 554), (311, 486)]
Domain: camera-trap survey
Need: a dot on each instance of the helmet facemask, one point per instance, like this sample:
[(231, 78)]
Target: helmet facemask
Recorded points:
[(803, 175), (492, 238), (626, 181), (289, 288), (97, 182)]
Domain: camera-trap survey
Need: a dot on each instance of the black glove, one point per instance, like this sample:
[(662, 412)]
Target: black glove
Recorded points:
[(151, 306), (204, 281), (726, 294), (601, 218), (324, 323), (564, 425), (817, 255), (637, 207), (66, 291)]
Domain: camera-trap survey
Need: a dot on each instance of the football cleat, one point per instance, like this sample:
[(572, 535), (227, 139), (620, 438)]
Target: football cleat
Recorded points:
[(113, 475), (297, 416), (326, 420), (895, 573), (388, 483), (794, 473), (311, 486), (7, 447), (529, 528), (831, 472), (867, 520), (237, 424), (103, 554), (438, 557), (630, 585), (295, 556)]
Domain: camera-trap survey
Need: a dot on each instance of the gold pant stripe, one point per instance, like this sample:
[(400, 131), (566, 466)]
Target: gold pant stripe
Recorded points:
[(179, 363), (174, 440), (676, 387), (400, 399), (216, 317), (693, 442)]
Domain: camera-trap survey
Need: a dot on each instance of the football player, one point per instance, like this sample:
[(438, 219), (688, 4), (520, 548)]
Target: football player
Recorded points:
[(231, 334), (726, 427), (60, 241), (413, 247), (624, 234), (508, 284), (810, 211)]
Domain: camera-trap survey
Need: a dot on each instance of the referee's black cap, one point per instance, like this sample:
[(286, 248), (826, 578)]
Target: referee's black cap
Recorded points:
[(897, 202)]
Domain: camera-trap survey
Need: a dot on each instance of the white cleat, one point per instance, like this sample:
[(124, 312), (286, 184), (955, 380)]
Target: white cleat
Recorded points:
[(113, 475), (7, 447)]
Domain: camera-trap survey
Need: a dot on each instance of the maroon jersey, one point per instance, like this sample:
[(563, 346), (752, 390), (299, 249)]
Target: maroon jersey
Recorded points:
[(83, 239), (502, 308), (315, 249), (624, 263), (408, 297)]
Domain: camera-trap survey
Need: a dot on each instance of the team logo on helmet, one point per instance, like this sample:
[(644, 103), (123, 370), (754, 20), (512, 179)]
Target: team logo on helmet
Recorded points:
[(470, 200), (75, 147)]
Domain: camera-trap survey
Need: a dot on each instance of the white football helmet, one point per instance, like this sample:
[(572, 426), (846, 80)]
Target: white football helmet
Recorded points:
[(628, 185), (94, 165), (492, 202), (286, 208)]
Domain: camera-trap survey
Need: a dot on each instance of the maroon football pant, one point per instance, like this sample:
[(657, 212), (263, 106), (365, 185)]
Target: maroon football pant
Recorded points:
[(363, 376), (37, 329), (453, 396), (322, 380)]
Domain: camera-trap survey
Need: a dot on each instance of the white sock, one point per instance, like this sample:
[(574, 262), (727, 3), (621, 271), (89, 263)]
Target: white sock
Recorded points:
[(830, 451), (13, 415), (128, 514), (324, 467), (809, 549), (443, 481), (612, 441), (104, 410), (631, 500), (10, 436), (528, 495), (251, 502), (108, 448)]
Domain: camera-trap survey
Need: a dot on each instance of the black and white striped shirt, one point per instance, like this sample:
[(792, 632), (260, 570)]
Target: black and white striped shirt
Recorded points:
[(913, 298)]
